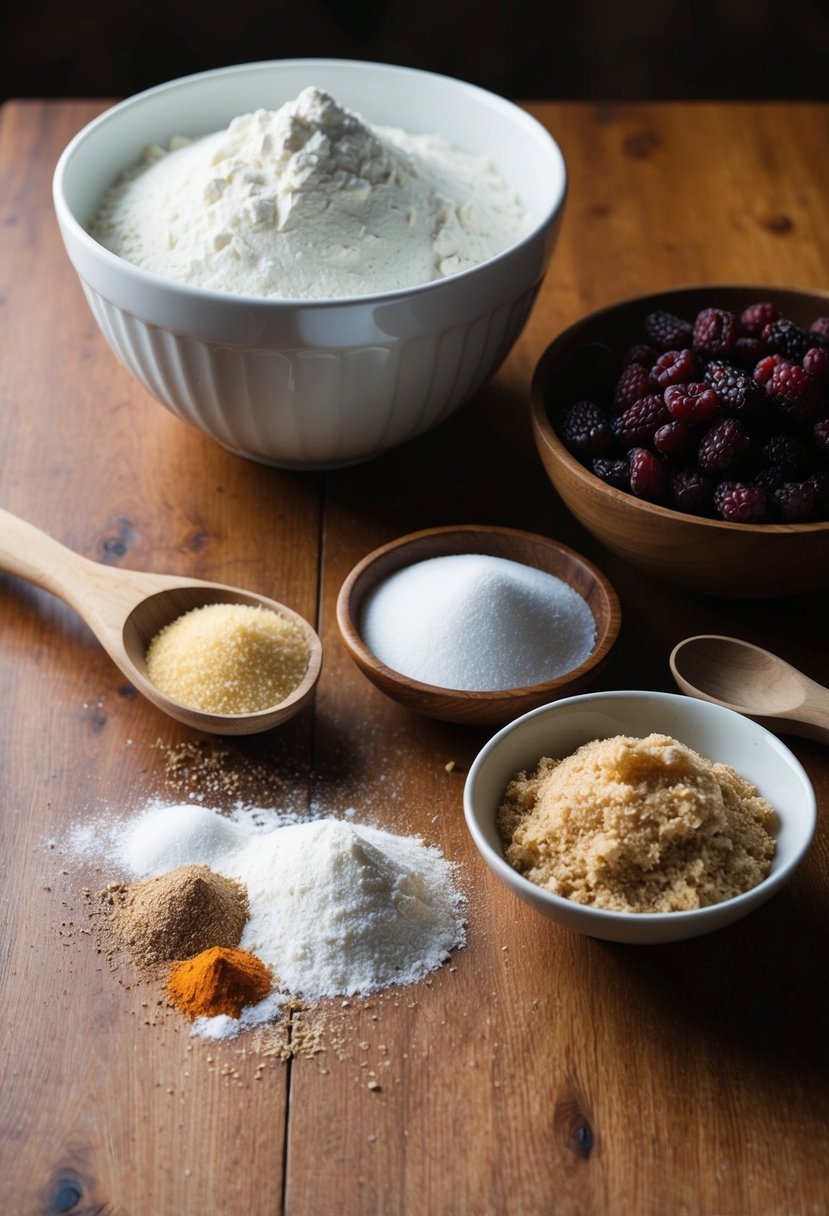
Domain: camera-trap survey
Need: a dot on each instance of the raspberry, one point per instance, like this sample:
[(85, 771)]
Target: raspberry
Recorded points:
[(756, 317), (795, 390), (715, 331), (794, 501), (584, 429), (647, 474), (692, 403), (667, 331), (633, 383), (816, 361), (614, 472), (737, 391), (674, 367), (787, 339), (636, 425), (673, 440), (691, 491), (740, 503), (722, 445), (644, 355), (765, 368)]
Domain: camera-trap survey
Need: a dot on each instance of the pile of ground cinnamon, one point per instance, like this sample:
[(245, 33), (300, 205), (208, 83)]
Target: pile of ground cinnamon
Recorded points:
[(177, 914)]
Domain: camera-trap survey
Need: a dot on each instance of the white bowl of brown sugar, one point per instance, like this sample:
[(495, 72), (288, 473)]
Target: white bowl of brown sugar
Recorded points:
[(638, 816)]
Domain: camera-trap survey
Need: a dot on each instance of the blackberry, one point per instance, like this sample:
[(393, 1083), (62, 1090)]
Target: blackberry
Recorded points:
[(756, 317), (692, 491), (667, 331), (647, 474), (691, 403), (723, 445), (794, 502), (796, 391), (740, 502), (636, 425), (820, 484), (715, 332), (787, 339), (633, 383), (749, 351), (614, 472), (786, 453), (584, 429), (672, 440), (737, 391), (674, 367)]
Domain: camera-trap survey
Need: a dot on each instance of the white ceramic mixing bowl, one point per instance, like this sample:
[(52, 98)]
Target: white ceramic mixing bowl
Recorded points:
[(313, 384), (719, 734)]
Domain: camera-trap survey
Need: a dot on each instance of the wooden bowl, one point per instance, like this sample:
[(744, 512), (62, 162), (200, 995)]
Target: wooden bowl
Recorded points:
[(704, 555), (452, 705)]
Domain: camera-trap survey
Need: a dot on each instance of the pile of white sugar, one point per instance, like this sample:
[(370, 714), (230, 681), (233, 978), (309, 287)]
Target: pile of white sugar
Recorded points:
[(309, 202), (336, 908), (477, 623)]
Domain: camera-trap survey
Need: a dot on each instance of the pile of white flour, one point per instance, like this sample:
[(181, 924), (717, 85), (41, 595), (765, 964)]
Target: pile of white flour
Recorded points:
[(309, 202)]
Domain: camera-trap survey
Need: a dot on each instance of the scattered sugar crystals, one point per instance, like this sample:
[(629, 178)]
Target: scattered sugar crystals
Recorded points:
[(477, 623)]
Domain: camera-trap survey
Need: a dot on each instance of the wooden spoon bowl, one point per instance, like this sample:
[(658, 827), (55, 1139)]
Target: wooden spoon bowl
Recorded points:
[(453, 705)]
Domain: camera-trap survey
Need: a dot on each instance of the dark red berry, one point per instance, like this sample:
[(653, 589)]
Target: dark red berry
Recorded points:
[(637, 424), (756, 317), (737, 391), (820, 326), (614, 472), (740, 503), (816, 361), (633, 383), (644, 355), (794, 502), (692, 491), (674, 367), (647, 474), (584, 429), (765, 368), (673, 440), (715, 332), (795, 390), (723, 445), (667, 331), (691, 403)]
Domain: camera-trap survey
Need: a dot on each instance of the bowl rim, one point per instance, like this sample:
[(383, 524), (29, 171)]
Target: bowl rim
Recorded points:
[(69, 221), (354, 643), (545, 432), (604, 916)]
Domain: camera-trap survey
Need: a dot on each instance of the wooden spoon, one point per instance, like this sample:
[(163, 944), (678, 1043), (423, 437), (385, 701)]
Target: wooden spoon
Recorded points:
[(125, 609), (754, 682)]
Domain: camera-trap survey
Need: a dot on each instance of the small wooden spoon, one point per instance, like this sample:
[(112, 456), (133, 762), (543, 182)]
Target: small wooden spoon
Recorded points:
[(125, 609), (754, 682)]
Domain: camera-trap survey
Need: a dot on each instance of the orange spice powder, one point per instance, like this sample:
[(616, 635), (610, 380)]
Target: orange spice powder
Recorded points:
[(221, 979)]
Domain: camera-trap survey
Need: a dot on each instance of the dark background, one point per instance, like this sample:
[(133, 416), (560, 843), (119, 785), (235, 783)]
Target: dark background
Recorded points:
[(602, 49)]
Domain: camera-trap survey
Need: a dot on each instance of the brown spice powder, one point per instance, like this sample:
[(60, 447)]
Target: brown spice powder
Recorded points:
[(177, 914)]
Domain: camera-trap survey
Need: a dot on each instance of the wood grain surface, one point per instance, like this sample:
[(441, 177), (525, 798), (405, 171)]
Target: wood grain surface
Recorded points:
[(539, 1072)]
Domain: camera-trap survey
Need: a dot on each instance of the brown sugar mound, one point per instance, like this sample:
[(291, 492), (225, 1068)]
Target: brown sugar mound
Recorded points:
[(637, 825), (178, 914), (218, 980)]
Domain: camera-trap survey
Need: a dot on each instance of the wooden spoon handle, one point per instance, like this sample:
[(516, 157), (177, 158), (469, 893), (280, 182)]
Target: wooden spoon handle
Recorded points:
[(34, 555)]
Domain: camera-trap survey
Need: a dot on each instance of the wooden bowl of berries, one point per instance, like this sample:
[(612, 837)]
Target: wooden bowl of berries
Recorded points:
[(688, 431)]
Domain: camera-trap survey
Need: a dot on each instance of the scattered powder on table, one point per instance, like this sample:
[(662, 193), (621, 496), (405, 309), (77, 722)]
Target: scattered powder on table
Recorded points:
[(219, 981), (477, 623), (228, 658), (177, 914), (637, 825)]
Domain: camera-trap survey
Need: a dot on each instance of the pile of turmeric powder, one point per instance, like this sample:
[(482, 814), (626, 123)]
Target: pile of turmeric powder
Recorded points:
[(220, 980)]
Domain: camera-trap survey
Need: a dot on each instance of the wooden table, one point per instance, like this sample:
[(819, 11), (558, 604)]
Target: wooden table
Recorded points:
[(539, 1073)]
